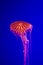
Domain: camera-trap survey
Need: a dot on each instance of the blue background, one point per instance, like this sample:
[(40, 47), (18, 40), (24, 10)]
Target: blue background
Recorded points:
[(11, 46)]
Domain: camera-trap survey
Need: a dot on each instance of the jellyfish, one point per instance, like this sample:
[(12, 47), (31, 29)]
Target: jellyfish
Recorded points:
[(20, 28)]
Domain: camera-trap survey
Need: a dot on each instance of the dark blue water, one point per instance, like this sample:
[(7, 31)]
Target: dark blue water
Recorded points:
[(10, 45)]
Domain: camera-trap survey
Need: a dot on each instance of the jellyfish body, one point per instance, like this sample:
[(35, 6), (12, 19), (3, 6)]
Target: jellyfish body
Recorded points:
[(20, 28)]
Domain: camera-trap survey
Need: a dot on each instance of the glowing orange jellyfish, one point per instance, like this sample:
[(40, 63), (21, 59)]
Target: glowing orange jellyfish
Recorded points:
[(20, 28)]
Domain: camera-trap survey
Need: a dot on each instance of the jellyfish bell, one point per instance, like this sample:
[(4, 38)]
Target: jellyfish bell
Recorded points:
[(20, 27)]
